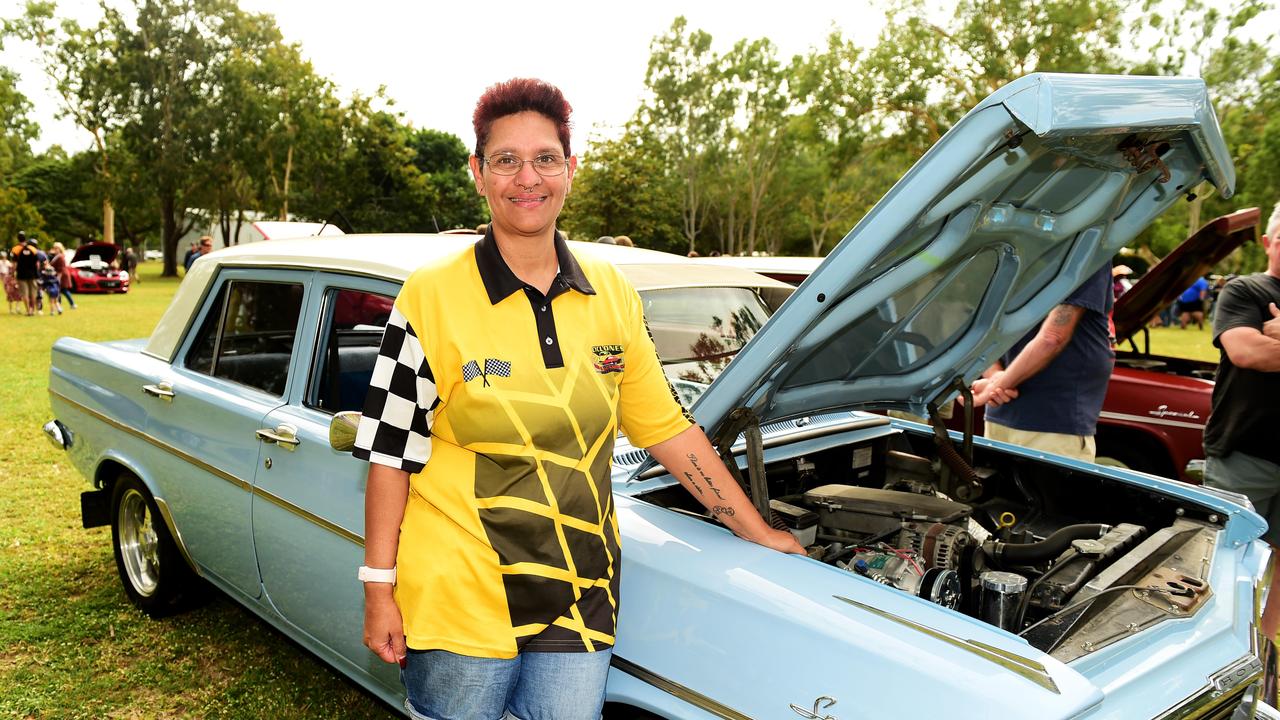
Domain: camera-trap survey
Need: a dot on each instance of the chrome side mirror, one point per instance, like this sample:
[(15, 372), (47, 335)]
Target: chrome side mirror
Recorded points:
[(342, 430)]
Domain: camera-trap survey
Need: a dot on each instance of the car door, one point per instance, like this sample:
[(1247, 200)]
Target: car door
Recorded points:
[(308, 509), (232, 369)]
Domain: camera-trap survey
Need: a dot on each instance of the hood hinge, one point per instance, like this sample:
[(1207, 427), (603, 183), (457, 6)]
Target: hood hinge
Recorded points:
[(958, 478), (743, 421)]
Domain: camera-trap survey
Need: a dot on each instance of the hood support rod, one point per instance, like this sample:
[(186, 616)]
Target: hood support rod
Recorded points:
[(745, 422)]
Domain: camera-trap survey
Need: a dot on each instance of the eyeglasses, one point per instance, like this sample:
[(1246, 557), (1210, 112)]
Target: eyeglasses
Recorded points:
[(546, 165)]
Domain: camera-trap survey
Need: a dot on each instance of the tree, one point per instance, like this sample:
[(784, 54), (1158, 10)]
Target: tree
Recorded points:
[(63, 188), (442, 159), (80, 65), (623, 187), (17, 214), (688, 110), (16, 132)]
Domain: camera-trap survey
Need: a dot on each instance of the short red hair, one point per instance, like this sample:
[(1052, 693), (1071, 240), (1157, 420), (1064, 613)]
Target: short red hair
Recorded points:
[(521, 95)]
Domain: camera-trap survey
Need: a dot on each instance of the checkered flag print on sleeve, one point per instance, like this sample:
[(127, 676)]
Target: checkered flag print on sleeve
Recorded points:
[(395, 429)]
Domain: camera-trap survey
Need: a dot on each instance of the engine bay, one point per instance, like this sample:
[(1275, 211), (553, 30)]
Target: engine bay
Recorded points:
[(1069, 560)]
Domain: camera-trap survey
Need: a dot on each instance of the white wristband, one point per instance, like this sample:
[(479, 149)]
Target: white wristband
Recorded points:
[(378, 575)]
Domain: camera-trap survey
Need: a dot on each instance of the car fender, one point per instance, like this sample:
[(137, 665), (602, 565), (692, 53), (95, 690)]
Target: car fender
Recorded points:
[(125, 462), (731, 627)]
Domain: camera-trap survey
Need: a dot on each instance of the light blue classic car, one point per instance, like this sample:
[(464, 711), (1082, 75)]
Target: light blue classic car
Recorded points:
[(947, 577)]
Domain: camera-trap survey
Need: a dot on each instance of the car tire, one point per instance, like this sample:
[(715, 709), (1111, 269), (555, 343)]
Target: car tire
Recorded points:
[(1136, 453), (155, 576)]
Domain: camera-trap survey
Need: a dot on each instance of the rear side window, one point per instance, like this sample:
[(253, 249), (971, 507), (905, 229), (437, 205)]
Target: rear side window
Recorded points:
[(248, 334), (352, 332)]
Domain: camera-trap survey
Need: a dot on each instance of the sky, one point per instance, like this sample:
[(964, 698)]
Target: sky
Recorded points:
[(435, 58)]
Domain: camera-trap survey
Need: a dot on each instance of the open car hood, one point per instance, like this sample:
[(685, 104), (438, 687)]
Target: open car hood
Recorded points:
[(1032, 191), (106, 251), (1192, 259)]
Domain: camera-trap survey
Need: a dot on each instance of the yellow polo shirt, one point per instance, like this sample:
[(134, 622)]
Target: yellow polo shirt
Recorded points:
[(504, 404)]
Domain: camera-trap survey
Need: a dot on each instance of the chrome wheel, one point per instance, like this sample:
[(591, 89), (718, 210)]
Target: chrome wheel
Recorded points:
[(138, 544)]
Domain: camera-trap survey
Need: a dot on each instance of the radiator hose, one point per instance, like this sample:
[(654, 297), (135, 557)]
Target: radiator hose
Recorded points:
[(1005, 554)]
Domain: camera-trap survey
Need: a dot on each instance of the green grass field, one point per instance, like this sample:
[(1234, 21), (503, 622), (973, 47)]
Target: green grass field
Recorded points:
[(71, 645)]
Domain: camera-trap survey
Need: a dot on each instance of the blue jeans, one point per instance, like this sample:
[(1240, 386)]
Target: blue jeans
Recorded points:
[(531, 686)]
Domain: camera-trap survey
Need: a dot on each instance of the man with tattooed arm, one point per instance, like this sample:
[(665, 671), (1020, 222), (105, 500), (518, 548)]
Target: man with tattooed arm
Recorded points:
[(1047, 391)]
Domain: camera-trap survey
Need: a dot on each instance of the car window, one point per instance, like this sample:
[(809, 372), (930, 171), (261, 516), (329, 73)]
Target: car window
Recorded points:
[(698, 330), (350, 335), (248, 333)]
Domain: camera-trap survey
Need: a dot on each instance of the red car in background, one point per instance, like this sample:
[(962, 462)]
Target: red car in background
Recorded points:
[(1156, 407), (92, 272)]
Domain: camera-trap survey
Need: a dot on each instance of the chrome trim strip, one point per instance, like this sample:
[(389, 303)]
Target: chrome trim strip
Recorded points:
[(246, 486), (1213, 700), (1026, 667), (309, 517), (672, 687), (177, 536), (1150, 420)]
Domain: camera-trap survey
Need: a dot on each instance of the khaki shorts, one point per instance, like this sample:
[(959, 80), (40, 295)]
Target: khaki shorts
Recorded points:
[(29, 289), (1080, 447)]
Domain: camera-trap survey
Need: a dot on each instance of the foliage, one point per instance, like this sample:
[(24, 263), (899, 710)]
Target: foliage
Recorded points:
[(200, 110), (452, 198), (17, 214), (622, 187), (62, 187), (16, 131), (769, 156)]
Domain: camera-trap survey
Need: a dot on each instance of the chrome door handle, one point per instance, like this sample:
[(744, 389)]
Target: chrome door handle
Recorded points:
[(286, 436), (162, 390)]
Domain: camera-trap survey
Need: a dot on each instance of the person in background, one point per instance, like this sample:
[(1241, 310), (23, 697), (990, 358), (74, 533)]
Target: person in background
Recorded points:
[(26, 261), (62, 266), (1191, 303), (606, 240), (131, 264), (10, 280), (52, 289), (465, 574), (1241, 452), (1047, 391), (203, 248), (1120, 280), (623, 240)]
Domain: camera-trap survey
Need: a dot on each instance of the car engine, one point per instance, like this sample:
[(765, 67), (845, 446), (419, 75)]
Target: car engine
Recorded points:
[(1069, 560)]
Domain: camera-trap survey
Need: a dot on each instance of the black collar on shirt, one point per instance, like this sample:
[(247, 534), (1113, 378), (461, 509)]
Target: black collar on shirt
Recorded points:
[(500, 282)]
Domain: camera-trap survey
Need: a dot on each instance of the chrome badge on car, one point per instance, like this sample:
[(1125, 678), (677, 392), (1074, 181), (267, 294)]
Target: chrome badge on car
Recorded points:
[(819, 705)]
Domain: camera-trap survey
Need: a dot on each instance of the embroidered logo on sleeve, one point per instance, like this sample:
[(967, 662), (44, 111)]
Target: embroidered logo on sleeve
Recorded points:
[(608, 358), (492, 366)]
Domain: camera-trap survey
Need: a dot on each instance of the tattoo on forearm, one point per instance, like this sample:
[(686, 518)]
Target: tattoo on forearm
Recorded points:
[(693, 483), (693, 460), (1062, 315), (722, 510)]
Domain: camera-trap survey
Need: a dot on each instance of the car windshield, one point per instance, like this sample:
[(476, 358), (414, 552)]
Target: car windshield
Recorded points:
[(698, 330)]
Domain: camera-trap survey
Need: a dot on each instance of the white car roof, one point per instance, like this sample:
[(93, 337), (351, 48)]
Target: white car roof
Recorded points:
[(788, 264), (395, 257)]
